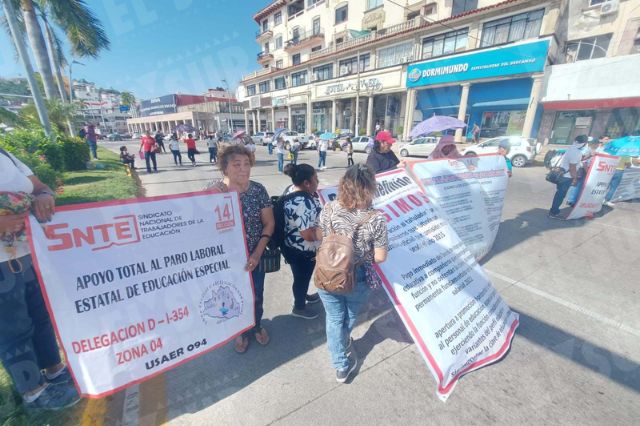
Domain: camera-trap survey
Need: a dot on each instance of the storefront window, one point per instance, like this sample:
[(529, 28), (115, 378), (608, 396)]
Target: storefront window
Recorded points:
[(394, 55), (386, 112), (501, 123), (322, 117), (513, 28), (622, 122), (569, 124), (299, 120)]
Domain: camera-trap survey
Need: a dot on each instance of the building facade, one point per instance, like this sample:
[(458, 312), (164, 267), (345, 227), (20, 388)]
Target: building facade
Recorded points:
[(102, 107), (331, 65), (595, 87)]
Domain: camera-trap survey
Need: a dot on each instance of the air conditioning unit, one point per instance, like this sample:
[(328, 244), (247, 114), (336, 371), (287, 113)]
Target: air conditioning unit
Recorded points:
[(609, 7)]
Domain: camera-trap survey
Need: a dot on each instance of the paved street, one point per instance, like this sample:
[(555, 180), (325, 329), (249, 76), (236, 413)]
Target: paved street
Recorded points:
[(575, 358)]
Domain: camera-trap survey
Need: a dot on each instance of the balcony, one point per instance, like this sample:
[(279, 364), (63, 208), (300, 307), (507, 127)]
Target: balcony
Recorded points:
[(263, 35), (304, 39), (264, 58)]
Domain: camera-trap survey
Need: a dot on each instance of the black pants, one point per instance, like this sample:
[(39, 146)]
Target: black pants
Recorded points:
[(150, 156), (177, 157), (129, 162), (213, 154), (302, 270), (191, 153), (349, 160), (161, 145)]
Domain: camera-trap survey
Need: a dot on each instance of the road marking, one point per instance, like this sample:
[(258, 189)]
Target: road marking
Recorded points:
[(131, 406), (569, 305), (94, 413)]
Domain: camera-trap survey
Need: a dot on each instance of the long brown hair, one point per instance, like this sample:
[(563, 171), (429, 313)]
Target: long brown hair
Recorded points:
[(357, 187)]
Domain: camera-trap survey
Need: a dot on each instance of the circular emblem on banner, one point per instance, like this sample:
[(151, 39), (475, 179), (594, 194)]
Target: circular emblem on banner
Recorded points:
[(415, 75), (221, 301)]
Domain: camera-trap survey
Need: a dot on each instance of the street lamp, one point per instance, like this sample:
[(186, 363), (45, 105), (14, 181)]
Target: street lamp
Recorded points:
[(71, 79), (229, 93)]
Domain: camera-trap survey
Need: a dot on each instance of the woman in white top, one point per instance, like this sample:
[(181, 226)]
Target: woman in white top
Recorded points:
[(174, 146)]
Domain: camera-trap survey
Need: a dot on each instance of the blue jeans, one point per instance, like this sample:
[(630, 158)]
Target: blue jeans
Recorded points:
[(294, 158), (27, 341), (342, 311), (561, 191), (280, 162), (322, 159), (574, 192), (150, 157), (613, 185), (93, 147), (270, 148), (258, 287)]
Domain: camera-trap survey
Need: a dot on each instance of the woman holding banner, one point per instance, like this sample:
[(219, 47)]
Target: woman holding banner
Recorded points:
[(235, 164), (28, 347), (352, 214)]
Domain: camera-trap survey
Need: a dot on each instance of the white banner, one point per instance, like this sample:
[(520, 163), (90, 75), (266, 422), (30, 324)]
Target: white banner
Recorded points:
[(470, 195), (136, 287), (456, 318), (629, 187), (595, 187)]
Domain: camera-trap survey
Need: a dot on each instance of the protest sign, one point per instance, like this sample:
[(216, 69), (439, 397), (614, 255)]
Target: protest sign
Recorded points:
[(629, 187), (136, 287), (469, 194), (595, 186)]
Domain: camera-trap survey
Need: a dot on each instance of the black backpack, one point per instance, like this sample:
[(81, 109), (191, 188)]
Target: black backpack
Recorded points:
[(278, 238)]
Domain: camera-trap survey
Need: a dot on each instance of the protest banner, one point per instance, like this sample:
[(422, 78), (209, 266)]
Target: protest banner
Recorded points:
[(469, 193), (446, 301), (629, 187), (595, 186), (136, 287)]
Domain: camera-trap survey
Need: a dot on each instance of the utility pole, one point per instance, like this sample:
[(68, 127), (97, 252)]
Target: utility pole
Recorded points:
[(357, 120), (230, 119), (10, 14)]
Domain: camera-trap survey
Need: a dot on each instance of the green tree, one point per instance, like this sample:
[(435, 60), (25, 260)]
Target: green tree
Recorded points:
[(38, 46), (127, 98), (60, 114)]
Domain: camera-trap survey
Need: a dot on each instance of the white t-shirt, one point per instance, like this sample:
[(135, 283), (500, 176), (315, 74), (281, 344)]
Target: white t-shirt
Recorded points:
[(323, 145), (212, 143), (572, 156), (14, 178), (251, 147), (280, 147), (174, 145)]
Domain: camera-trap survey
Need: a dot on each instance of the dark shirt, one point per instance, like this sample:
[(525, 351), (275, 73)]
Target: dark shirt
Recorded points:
[(382, 162)]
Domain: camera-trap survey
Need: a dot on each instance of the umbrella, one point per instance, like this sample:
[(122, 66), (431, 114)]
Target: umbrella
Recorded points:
[(627, 146), (184, 128), (239, 134), (327, 136), (277, 133), (437, 123)]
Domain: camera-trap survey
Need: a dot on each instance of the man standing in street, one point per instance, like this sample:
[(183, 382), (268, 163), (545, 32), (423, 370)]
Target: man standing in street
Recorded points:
[(280, 153), (571, 162), (92, 140), (148, 146), (323, 145), (191, 148), (160, 141)]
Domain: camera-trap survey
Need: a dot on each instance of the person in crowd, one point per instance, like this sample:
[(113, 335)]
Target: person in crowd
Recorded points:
[(588, 151), (382, 158), (148, 146), (174, 147), (301, 239), (602, 142), (503, 149), (349, 152), (126, 158), (28, 348), (160, 141), (82, 133), (191, 148), (92, 140), (235, 163), (624, 163), (270, 147), (250, 144), (212, 144), (280, 150), (571, 163), (294, 149), (323, 146), (353, 206), (475, 133), (446, 148), (378, 128)]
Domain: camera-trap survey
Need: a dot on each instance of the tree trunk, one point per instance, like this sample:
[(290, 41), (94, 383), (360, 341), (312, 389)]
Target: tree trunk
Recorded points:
[(55, 61), (36, 40)]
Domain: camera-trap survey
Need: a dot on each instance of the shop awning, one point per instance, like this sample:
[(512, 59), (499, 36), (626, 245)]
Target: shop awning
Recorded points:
[(592, 104), (503, 102), (441, 107)]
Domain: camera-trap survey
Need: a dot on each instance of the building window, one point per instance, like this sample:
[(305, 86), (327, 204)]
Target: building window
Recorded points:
[(316, 26), (501, 123), (342, 14), (324, 72), (298, 78), (277, 18), (279, 63), (265, 25), (395, 55), (513, 28), (315, 49), (348, 66), (280, 83), (413, 15), (339, 40), (295, 8), (596, 2), (266, 48), (295, 59), (295, 35), (278, 42), (265, 86), (312, 2), (461, 6), (445, 44), (588, 48), (372, 4), (251, 90)]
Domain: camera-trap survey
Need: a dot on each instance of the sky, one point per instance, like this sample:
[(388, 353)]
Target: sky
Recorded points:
[(161, 47)]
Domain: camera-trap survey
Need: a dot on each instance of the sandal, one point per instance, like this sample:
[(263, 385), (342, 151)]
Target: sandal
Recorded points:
[(242, 343), (262, 337)]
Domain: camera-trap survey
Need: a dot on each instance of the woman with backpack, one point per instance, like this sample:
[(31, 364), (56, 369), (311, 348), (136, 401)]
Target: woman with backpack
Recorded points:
[(351, 214), (301, 211)]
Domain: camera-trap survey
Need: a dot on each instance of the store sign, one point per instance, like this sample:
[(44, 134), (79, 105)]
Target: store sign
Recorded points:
[(519, 59), (366, 85), (294, 100), (254, 102), (159, 106), (279, 102), (373, 19)]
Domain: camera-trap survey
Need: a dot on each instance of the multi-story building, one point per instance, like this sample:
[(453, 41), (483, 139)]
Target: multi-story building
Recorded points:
[(595, 87), (101, 107), (329, 64)]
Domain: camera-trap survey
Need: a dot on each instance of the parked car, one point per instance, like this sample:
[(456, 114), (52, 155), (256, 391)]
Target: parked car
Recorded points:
[(126, 135), (136, 135), (422, 146), (523, 150), (290, 135), (362, 144), (262, 138), (112, 137)]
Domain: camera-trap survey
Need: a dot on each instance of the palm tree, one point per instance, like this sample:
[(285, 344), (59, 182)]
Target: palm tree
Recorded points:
[(54, 46), (36, 40), (127, 98)]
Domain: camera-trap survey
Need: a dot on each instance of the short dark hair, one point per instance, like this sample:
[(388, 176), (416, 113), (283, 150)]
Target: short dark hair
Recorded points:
[(189, 135), (225, 156), (299, 173)]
